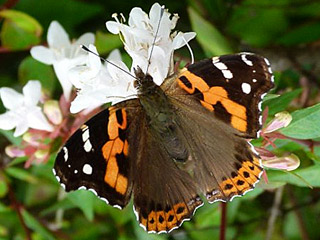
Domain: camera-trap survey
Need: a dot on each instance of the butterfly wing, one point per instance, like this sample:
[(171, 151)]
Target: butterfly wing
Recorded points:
[(96, 156), (231, 86), (217, 104)]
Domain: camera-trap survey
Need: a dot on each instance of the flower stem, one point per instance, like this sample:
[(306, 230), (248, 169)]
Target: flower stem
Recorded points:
[(223, 222), (17, 207)]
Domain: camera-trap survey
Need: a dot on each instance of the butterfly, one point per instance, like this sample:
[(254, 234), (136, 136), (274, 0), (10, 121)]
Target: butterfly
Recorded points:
[(176, 144)]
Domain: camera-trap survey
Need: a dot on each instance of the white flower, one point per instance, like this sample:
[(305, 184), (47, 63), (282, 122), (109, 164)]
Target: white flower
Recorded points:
[(99, 83), (139, 35), (23, 112), (62, 53)]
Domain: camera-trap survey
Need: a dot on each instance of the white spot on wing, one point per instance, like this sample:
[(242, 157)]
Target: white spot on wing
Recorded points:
[(104, 199), (246, 61), (66, 156), (87, 146), (227, 74), (246, 88), (85, 135), (267, 61), (260, 106), (94, 191), (87, 169), (215, 60), (75, 171), (224, 69), (254, 80), (220, 66), (117, 206), (58, 178), (135, 213)]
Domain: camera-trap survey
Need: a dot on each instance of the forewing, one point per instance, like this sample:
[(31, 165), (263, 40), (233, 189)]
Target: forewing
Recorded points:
[(232, 87), (96, 155)]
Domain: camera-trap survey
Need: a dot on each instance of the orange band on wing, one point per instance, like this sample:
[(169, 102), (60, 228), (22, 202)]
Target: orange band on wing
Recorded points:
[(112, 149), (211, 96)]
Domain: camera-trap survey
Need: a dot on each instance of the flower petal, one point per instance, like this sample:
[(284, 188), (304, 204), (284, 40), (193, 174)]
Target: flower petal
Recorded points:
[(21, 128), (32, 92), (94, 61), (37, 120), (138, 18), (61, 69), (85, 39), (11, 98), (113, 27), (182, 39), (57, 36), (43, 54), (7, 121)]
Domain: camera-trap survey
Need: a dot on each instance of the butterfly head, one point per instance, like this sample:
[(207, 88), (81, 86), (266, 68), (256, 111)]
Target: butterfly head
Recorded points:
[(144, 81)]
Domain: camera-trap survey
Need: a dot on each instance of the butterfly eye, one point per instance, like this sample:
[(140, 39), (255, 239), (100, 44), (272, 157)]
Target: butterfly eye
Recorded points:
[(136, 84)]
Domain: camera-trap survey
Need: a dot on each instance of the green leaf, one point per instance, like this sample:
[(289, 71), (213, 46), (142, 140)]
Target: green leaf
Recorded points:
[(4, 208), (71, 14), (303, 34), (3, 188), (212, 41), (106, 42), (281, 102), (257, 26), (305, 123), (21, 174), (310, 176), (36, 226), (17, 161), (32, 69), (23, 21), (19, 30), (84, 200), (9, 135), (64, 204)]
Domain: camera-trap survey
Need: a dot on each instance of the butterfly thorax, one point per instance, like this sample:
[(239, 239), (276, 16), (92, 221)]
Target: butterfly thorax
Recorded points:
[(160, 115)]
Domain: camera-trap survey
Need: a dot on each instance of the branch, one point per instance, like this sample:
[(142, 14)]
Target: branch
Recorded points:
[(275, 210), (9, 4), (302, 227), (17, 207)]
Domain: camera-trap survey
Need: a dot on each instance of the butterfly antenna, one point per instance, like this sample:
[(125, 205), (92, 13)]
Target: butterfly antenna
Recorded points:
[(155, 38), (106, 60)]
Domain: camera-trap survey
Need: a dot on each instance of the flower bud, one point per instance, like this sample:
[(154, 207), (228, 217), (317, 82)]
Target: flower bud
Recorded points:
[(282, 119), (52, 110), (288, 163), (13, 151)]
